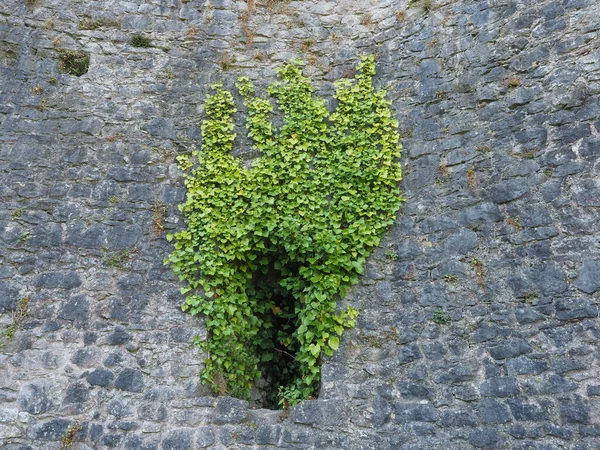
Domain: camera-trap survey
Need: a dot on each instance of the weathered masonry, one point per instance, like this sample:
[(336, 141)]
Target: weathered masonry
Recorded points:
[(479, 322)]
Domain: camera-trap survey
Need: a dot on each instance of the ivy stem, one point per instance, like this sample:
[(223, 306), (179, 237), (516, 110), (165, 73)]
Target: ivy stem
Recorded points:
[(283, 351)]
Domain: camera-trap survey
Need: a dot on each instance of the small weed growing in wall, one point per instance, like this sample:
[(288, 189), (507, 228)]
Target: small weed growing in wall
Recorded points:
[(191, 32), (17, 213), (427, 5), (472, 179), (245, 22), (159, 210), (225, 62), (19, 315), (118, 259), (391, 254), (440, 317), (528, 154), (366, 19), (512, 81), (515, 223), (400, 15), (443, 169), (87, 23), (268, 251), (140, 41), (73, 62), (450, 278), (479, 268), (68, 439)]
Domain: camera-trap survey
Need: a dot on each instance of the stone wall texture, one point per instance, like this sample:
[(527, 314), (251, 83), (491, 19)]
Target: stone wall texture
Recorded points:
[(479, 322)]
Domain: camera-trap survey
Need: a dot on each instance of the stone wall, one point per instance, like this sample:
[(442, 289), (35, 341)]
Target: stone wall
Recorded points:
[(479, 313)]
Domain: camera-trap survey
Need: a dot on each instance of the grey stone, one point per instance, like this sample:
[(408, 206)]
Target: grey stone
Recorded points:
[(491, 411), (524, 410), (507, 191), (549, 279), (525, 366), (77, 393), (576, 309), (9, 296), (510, 348), (414, 391), (488, 438), (35, 397), (460, 243), (119, 336), (111, 440), (130, 380), (408, 250), (588, 193), (434, 294), (499, 387), (120, 408), (440, 223), (555, 384), (593, 390), (86, 357), (458, 418), (123, 425), (589, 430), (178, 440), (137, 443), (409, 353), (480, 214), (486, 332), (58, 280), (458, 374), (574, 411), (230, 410), (100, 377), (95, 432), (588, 279), (325, 412), (565, 365), (88, 158), (53, 430), (77, 309), (414, 412), (153, 413)]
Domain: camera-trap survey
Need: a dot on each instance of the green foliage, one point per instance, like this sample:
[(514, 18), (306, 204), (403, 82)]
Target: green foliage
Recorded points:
[(441, 318), (269, 250), (137, 40), (73, 62)]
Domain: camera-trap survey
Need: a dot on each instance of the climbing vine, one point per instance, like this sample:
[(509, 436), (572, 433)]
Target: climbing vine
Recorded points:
[(269, 250)]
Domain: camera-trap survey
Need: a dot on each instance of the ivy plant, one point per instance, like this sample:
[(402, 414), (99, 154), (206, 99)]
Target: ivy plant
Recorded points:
[(269, 250)]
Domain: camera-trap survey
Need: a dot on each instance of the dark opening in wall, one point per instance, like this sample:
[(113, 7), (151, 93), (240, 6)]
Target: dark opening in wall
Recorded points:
[(279, 368), (73, 62)]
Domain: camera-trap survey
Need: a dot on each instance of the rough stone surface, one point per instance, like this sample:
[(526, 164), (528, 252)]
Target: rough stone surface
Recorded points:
[(498, 104)]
